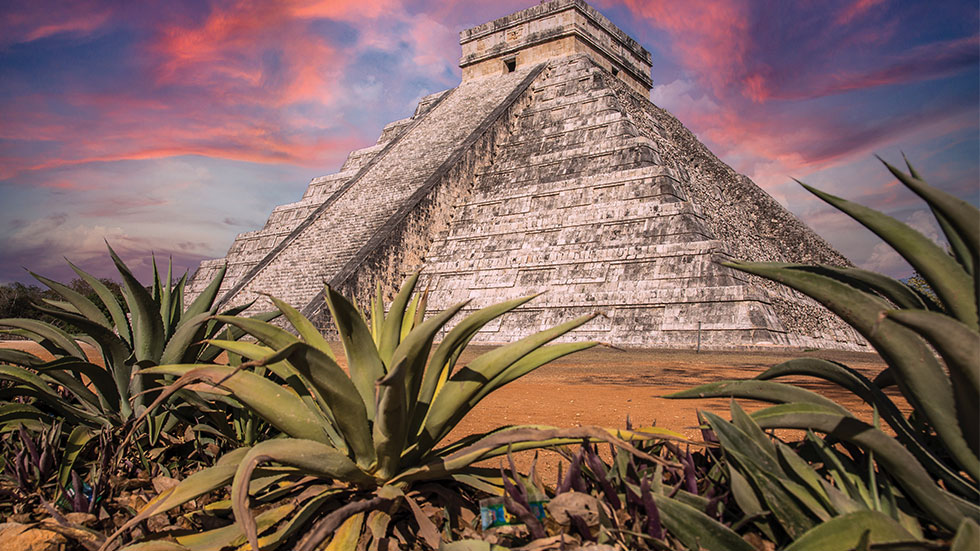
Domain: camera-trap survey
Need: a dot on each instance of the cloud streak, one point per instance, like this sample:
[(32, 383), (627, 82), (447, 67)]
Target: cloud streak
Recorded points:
[(170, 127)]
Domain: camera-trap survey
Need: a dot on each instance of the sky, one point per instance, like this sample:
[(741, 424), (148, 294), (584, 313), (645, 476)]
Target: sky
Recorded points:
[(170, 127)]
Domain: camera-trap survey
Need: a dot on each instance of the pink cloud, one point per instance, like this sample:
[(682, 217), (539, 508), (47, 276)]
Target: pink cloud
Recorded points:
[(22, 22), (856, 10)]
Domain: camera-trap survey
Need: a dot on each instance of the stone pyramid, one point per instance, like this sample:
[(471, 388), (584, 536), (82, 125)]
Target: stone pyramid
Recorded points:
[(546, 169)]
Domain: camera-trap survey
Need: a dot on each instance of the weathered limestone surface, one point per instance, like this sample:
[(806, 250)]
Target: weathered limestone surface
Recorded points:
[(305, 244), (547, 170), (593, 201)]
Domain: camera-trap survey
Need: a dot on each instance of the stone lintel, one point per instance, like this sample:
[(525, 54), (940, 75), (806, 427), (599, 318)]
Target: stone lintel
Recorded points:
[(554, 29)]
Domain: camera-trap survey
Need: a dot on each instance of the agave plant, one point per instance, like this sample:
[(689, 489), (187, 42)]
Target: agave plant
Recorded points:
[(358, 441), (152, 327), (932, 348)]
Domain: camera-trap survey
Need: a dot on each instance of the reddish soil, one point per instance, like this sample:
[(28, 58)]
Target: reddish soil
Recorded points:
[(603, 386)]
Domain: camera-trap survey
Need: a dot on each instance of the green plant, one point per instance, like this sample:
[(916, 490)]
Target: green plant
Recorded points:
[(653, 504), (930, 468), (152, 327), (361, 441)]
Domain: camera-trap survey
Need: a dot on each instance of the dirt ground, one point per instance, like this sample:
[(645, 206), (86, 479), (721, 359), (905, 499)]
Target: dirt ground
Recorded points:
[(602, 386)]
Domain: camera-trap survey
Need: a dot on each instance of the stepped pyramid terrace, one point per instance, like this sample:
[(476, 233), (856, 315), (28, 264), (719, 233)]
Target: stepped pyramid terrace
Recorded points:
[(548, 170)]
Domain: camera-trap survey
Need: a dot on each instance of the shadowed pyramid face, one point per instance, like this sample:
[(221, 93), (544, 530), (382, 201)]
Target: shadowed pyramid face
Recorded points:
[(547, 169)]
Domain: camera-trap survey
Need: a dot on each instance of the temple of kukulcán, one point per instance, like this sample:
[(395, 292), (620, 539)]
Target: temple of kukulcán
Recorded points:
[(547, 169)]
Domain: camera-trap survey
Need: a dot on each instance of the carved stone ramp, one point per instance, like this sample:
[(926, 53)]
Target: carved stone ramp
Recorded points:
[(334, 232)]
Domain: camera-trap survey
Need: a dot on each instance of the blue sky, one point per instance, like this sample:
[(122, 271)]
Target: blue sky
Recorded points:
[(172, 126)]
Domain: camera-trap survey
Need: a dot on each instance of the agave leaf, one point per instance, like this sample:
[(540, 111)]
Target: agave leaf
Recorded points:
[(256, 352), (920, 377), (232, 535), (392, 325), (841, 469), (310, 334), (695, 529), (451, 402), (773, 491), (956, 244), (19, 357), (14, 414), (190, 330), (310, 457), (166, 306), (270, 335), (377, 314), (339, 393), (156, 279), (119, 319), (233, 333), (453, 458), (408, 321), (73, 447), (62, 340), (295, 522), (843, 533), (83, 305), (734, 439), (956, 343), (61, 305), (958, 213), (180, 348), (148, 336), (801, 471), (155, 545), (960, 348), (345, 538), (946, 508), (754, 389), (413, 352), (278, 406), (749, 428), (840, 502), (389, 432), (892, 289), (177, 303), (363, 362), (115, 352), (967, 537), (444, 358), (745, 495), (853, 381), (313, 400), (948, 279), (45, 393), (100, 380), (87, 399), (205, 301)]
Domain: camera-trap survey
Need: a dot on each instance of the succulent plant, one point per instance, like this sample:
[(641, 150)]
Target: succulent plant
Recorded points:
[(151, 328), (359, 441), (930, 468)]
